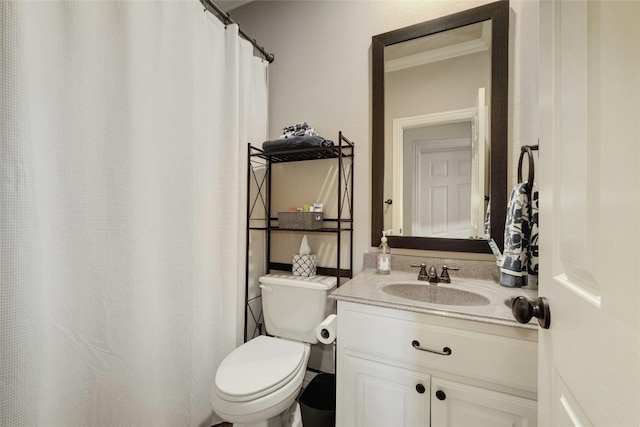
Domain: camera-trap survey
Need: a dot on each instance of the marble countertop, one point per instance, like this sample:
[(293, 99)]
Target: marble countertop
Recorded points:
[(365, 288)]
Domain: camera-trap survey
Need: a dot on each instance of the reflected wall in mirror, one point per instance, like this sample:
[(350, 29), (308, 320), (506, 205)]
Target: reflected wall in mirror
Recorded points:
[(440, 131)]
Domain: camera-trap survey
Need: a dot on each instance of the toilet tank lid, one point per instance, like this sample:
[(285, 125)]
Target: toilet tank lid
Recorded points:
[(313, 282)]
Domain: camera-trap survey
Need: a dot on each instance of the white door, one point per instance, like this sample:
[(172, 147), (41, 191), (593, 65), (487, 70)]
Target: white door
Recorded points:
[(442, 188), (589, 178)]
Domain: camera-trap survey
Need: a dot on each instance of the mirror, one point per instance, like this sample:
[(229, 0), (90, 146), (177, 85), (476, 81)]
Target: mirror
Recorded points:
[(439, 134)]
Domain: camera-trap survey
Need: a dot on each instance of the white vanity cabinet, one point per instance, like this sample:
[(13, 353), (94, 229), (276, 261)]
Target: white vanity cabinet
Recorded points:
[(462, 373)]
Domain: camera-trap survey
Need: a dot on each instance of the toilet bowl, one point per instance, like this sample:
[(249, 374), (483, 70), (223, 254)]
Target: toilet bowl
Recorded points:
[(258, 381)]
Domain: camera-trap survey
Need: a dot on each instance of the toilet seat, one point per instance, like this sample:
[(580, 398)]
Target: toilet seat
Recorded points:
[(259, 367)]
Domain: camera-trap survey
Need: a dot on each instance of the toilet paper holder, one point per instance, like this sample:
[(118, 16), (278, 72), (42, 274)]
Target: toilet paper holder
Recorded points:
[(327, 330)]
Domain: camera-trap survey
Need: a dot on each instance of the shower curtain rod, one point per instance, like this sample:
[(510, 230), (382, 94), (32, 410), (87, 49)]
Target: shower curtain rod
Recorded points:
[(226, 19)]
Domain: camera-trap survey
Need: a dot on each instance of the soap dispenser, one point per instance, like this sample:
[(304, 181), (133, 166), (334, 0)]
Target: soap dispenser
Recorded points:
[(383, 260)]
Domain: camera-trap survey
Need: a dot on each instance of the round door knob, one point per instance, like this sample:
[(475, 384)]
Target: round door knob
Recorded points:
[(523, 310), (420, 388), (441, 395)]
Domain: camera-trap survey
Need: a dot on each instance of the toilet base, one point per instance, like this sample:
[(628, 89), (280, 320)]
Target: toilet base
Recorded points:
[(292, 417), (271, 422)]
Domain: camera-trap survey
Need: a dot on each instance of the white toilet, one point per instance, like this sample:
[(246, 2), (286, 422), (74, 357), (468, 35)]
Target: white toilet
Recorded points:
[(259, 380)]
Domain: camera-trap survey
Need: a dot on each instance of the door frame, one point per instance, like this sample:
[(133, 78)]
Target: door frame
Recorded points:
[(405, 123)]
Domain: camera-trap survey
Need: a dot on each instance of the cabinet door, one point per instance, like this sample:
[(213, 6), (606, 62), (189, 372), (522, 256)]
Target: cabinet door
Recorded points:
[(455, 404), (375, 394)]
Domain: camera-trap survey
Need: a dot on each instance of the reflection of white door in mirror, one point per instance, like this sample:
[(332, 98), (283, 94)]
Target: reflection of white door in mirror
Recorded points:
[(408, 129), (442, 183)]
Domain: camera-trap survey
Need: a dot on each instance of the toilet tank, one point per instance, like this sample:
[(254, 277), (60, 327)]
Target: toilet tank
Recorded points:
[(293, 306)]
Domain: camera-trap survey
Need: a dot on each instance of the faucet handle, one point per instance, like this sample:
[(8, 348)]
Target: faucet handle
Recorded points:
[(444, 277), (423, 271)]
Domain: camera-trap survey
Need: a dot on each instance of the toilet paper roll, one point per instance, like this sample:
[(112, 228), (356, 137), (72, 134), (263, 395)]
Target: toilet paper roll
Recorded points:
[(327, 330)]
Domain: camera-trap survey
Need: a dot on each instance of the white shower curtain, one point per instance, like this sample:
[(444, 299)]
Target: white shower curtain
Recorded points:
[(124, 128)]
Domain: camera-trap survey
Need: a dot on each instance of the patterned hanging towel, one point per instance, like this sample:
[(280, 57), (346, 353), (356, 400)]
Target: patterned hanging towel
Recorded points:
[(517, 234), (532, 251)]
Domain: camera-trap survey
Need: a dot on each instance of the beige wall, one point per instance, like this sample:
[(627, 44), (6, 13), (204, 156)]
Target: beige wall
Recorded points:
[(322, 74)]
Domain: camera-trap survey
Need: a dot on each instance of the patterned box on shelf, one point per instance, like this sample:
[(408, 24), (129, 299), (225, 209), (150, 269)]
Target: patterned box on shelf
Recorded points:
[(300, 220), (304, 265)]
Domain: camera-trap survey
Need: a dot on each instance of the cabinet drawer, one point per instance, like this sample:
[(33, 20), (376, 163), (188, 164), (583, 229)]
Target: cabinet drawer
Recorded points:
[(385, 336)]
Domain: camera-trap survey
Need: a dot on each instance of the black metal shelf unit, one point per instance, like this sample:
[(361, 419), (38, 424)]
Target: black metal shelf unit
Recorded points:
[(260, 217)]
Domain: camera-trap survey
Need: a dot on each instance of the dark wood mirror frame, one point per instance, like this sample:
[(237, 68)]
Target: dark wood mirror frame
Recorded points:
[(498, 13)]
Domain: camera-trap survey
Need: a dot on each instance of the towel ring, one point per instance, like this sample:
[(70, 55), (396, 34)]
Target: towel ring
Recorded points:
[(526, 149)]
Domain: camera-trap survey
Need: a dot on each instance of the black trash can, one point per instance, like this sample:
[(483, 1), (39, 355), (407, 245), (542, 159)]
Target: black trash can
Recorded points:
[(318, 402)]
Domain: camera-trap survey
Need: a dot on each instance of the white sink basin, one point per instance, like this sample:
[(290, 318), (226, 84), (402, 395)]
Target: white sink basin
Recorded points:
[(435, 294)]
